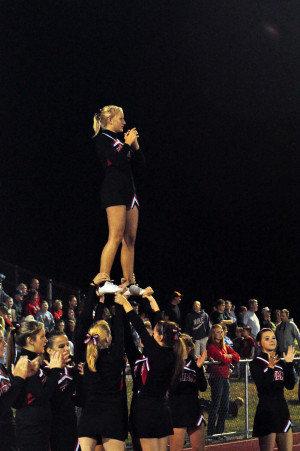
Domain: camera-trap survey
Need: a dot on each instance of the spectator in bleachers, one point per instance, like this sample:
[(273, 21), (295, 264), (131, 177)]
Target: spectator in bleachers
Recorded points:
[(238, 341), (248, 348), (57, 311), (265, 319), (4, 314), (31, 304), (230, 315), (227, 339), (60, 325), (3, 295), (11, 311), (172, 312), (197, 326), (286, 333), (18, 304), (219, 316), (240, 316), (277, 317), (72, 303), (23, 287), (218, 351), (45, 317), (250, 318), (35, 285)]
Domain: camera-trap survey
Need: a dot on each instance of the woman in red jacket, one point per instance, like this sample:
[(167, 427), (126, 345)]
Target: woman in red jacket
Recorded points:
[(219, 379)]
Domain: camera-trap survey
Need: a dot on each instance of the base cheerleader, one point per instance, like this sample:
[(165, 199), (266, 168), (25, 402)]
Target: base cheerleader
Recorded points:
[(272, 419)]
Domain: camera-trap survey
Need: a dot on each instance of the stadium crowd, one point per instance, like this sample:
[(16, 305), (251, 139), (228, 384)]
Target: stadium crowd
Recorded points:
[(61, 360)]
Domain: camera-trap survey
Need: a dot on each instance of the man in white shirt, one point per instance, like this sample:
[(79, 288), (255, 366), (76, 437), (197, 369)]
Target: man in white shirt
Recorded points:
[(250, 318)]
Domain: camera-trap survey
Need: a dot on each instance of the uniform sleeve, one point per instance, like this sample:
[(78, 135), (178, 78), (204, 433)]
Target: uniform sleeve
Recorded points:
[(118, 332), (139, 326), (263, 379), (131, 351), (289, 376), (201, 379), (7, 398), (107, 150), (83, 324)]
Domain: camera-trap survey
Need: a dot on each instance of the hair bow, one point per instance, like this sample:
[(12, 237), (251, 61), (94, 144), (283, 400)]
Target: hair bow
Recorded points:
[(177, 334), (91, 337)]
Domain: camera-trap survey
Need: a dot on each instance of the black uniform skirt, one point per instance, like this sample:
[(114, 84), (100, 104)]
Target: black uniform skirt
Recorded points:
[(117, 189), (272, 416), (150, 417), (186, 411), (107, 417)]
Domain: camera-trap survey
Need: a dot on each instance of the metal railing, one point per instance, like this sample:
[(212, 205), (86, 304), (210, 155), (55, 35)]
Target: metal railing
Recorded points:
[(50, 288)]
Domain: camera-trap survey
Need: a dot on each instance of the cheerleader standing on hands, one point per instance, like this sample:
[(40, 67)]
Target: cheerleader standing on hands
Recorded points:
[(118, 193), (272, 419)]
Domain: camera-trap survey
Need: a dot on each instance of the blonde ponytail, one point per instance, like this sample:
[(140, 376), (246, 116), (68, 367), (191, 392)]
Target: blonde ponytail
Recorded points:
[(101, 117), (98, 336)]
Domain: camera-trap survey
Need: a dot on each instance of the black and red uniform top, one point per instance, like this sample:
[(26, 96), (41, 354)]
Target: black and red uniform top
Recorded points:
[(10, 388), (192, 379), (158, 362), (119, 160)]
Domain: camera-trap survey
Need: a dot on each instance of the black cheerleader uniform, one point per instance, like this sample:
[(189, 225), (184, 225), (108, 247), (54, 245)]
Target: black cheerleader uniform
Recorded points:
[(33, 416), (150, 415), (272, 413), (104, 412), (10, 388), (63, 411), (117, 159), (185, 404)]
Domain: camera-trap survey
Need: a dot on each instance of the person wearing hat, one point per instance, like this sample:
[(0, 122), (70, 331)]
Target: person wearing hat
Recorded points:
[(3, 295), (172, 312), (18, 304), (265, 319)]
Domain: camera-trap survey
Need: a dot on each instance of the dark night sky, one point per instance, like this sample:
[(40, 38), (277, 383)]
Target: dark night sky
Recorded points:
[(214, 90)]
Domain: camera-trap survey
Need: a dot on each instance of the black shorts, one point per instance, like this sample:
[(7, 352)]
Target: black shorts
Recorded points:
[(150, 417), (186, 411), (107, 418), (118, 190)]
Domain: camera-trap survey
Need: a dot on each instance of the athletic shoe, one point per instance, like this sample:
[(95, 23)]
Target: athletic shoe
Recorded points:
[(109, 288), (135, 290)]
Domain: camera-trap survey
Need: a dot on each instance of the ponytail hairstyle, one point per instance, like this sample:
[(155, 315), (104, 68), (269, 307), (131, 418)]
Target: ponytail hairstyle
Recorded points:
[(212, 338), (97, 339), (19, 335), (102, 116), (172, 339), (189, 343)]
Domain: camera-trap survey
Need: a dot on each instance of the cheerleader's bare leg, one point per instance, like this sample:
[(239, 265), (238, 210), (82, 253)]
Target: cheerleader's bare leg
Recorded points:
[(285, 441), (267, 442), (116, 218), (110, 444), (154, 444), (177, 440), (197, 438), (87, 443), (128, 243)]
